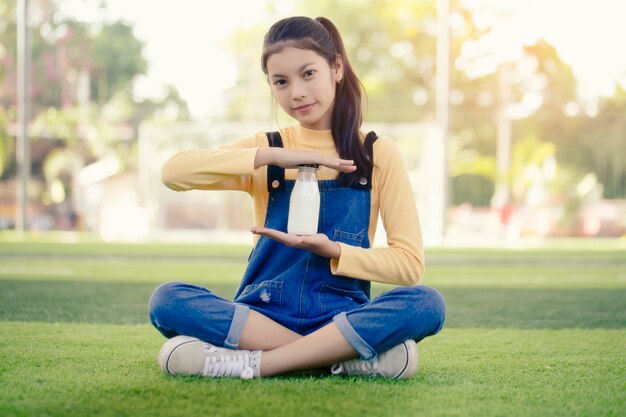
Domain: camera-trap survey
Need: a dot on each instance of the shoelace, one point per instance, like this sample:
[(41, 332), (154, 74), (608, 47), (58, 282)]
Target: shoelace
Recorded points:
[(357, 367), (220, 364)]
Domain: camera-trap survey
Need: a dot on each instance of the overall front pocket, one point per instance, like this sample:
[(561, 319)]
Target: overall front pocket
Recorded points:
[(340, 299), (353, 239), (266, 295)]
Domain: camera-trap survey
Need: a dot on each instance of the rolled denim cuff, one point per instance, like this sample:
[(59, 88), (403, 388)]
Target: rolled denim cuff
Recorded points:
[(357, 342), (236, 326)]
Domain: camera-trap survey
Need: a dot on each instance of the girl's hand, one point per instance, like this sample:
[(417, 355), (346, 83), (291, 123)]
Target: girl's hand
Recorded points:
[(318, 244), (286, 158)]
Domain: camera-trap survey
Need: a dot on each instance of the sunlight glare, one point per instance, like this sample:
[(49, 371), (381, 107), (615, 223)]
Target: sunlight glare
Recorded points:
[(585, 33)]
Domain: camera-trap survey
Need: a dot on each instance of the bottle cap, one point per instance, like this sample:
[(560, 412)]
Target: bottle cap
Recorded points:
[(309, 165)]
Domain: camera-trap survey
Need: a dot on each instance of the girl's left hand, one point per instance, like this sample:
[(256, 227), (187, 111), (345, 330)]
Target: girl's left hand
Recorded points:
[(319, 244)]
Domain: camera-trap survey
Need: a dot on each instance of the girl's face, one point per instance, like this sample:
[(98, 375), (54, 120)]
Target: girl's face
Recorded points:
[(304, 85)]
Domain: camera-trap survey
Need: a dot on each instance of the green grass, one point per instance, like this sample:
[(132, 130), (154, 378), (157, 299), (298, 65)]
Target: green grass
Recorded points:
[(528, 333)]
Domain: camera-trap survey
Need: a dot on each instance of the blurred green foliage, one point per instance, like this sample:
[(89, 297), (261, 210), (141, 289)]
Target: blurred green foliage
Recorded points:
[(6, 144), (82, 102)]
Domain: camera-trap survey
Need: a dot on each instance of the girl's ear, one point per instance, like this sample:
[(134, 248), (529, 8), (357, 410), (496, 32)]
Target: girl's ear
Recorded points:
[(338, 69)]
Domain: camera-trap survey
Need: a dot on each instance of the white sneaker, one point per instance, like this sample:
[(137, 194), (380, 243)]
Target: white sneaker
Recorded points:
[(399, 362), (184, 355)]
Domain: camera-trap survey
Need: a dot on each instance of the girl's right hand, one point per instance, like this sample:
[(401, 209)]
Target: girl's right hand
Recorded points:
[(286, 158)]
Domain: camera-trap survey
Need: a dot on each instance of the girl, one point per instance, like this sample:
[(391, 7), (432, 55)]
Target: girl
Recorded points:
[(304, 301)]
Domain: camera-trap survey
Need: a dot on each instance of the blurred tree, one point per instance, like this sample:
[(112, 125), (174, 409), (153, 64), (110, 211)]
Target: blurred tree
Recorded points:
[(6, 144), (79, 65), (538, 94), (8, 40), (117, 59), (73, 61), (83, 105), (591, 136), (250, 97), (538, 180), (603, 139)]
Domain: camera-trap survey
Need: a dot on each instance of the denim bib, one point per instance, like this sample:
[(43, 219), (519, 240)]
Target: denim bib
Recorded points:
[(295, 287)]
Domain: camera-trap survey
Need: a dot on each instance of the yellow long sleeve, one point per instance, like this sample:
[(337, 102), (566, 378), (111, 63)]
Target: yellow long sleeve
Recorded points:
[(231, 167), (402, 261)]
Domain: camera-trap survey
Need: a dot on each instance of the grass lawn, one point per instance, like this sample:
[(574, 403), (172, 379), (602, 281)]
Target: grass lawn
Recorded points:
[(528, 333)]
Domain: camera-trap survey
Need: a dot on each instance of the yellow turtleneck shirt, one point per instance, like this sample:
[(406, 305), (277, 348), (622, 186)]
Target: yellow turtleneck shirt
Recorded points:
[(231, 167)]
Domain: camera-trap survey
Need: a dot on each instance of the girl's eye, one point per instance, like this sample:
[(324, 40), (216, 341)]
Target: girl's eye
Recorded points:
[(309, 73), (280, 83)]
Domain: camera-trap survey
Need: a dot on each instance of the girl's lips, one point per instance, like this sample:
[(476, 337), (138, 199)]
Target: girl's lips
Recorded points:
[(304, 108)]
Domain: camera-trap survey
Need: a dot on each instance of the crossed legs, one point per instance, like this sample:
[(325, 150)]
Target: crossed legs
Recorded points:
[(286, 351), (396, 316)]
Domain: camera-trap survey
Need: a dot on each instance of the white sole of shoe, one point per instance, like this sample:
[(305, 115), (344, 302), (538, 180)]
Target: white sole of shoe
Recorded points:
[(412, 360), (169, 348)]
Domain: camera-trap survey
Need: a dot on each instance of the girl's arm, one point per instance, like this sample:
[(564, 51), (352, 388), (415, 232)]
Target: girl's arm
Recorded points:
[(402, 261), (287, 158), (229, 167)]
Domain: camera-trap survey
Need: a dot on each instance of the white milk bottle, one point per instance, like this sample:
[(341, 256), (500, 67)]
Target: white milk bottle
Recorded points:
[(304, 204)]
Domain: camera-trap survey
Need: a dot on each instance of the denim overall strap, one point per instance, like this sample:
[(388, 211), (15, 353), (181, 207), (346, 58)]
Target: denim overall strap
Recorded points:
[(365, 183), (296, 287), (275, 174)]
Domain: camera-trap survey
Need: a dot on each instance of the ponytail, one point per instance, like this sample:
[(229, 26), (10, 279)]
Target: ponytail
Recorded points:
[(321, 36)]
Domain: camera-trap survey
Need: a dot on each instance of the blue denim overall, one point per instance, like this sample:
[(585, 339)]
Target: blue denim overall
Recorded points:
[(296, 288)]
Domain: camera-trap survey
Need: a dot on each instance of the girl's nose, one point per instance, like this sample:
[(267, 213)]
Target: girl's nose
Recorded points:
[(298, 91)]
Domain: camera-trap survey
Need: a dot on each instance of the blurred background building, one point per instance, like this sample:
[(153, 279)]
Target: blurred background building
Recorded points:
[(535, 134)]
